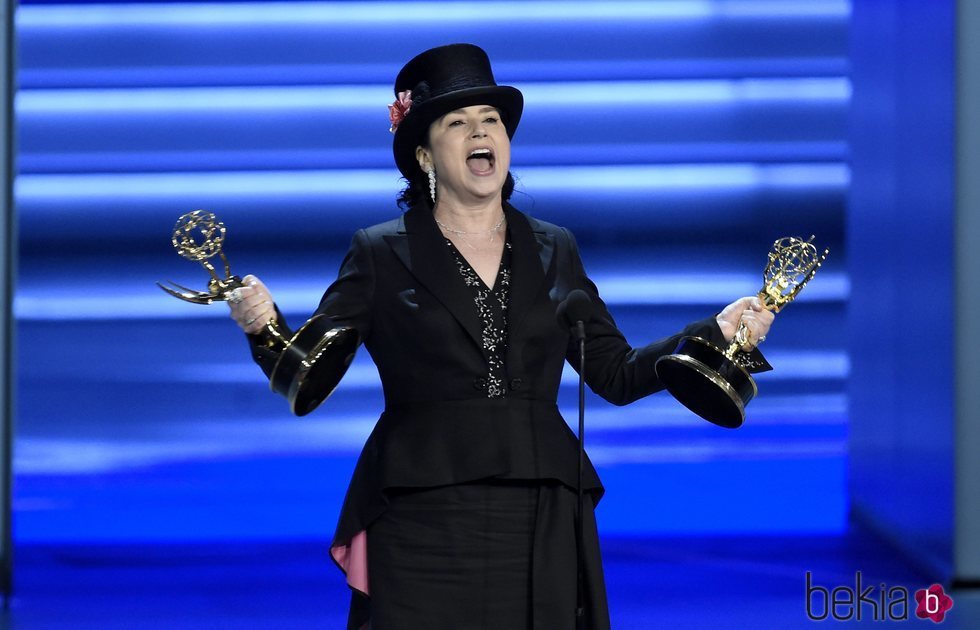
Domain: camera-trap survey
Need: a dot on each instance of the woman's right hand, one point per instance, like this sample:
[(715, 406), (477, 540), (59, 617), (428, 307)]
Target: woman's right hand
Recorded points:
[(251, 305)]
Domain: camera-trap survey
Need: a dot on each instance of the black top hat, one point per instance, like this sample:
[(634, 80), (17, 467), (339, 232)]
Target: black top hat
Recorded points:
[(441, 80)]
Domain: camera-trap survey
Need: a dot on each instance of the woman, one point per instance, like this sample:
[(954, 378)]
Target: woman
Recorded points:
[(461, 509)]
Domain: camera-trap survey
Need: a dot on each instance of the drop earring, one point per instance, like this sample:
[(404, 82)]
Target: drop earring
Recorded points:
[(432, 184)]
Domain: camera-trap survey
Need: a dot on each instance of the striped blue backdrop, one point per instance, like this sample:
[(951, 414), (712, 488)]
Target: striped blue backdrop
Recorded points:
[(678, 139)]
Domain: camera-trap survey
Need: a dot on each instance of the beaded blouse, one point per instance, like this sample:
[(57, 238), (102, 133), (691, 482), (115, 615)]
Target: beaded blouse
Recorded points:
[(491, 307)]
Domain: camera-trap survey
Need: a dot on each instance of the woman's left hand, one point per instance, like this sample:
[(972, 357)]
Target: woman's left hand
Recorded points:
[(756, 318)]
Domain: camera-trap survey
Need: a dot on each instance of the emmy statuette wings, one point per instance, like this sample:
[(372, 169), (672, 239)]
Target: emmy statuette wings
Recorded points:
[(311, 362), (714, 382)]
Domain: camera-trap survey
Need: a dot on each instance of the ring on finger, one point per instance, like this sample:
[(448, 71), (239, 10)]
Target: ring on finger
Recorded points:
[(251, 321), (235, 297)]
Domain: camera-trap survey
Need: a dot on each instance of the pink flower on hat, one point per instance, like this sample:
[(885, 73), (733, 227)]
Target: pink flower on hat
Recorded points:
[(399, 109)]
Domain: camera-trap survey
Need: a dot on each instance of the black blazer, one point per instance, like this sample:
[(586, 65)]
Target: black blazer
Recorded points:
[(400, 288)]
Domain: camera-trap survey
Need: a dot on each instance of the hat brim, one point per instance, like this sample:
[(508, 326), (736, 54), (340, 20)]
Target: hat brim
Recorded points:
[(411, 131)]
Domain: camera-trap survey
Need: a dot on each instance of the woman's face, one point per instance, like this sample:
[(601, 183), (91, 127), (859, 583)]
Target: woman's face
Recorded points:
[(470, 151)]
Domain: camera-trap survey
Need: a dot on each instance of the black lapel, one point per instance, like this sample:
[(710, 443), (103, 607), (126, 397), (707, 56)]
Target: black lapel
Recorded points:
[(530, 260), (423, 250)]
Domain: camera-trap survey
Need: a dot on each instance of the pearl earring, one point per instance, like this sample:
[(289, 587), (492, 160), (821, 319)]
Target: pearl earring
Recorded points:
[(432, 184)]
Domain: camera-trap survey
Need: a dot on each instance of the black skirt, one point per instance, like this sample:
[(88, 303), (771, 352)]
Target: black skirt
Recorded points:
[(481, 556)]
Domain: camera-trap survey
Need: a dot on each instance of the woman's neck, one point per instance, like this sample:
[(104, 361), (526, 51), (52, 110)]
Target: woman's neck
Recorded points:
[(469, 218)]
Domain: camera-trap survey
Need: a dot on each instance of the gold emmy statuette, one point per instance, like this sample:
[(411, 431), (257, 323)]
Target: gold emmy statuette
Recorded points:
[(715, 383), (311, 362)]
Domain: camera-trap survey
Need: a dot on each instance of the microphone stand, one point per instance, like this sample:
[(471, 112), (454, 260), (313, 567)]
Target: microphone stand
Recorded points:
[(579, 333)]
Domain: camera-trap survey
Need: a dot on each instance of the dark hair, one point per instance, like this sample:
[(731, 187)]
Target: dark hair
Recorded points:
[(416, 192)]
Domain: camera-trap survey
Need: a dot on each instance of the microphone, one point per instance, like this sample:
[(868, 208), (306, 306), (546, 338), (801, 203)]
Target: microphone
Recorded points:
[(574, 311)]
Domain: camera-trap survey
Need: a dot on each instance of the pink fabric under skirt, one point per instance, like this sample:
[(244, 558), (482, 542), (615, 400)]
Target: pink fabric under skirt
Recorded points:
[(352, 559)]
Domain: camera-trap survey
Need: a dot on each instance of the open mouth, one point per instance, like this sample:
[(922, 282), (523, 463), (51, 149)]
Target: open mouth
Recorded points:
[(480, 161)]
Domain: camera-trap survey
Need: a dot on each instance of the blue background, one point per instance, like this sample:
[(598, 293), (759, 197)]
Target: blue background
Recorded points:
[(678, 140), (160, 484)]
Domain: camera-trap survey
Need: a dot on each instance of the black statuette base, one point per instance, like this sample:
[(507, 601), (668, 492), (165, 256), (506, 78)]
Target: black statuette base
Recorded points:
[(703, 379), (312, 363)]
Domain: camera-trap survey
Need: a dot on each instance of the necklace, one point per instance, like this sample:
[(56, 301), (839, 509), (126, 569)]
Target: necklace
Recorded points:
[(463, 234)]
